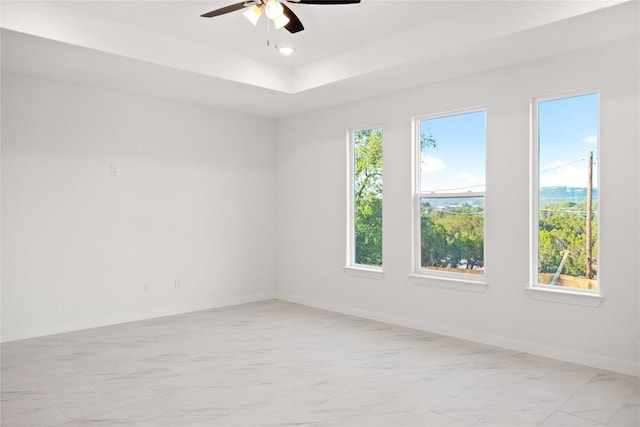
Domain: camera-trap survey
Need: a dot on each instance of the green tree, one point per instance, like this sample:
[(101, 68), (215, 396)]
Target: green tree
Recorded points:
[(427, 140), (465, 226), (434, 244), (368, 196), (562, 227), (452, 235)]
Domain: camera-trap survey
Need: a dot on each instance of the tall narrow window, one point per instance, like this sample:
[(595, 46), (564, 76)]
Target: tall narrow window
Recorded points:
[(449, 201), (565, 221), (366, 197)]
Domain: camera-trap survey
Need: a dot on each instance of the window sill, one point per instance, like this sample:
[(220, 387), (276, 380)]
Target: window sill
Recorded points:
[(460, 284), (564, 296), (364, 271)]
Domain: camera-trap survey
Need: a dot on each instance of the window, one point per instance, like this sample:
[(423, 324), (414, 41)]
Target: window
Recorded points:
[(449, 196), (565, 196), (365, 216)]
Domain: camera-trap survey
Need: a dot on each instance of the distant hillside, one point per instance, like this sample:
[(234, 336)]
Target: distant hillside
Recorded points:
[(548, 195), (561, 194)]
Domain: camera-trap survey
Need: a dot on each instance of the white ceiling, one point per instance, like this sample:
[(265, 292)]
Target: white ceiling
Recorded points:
[(329, 30), (347, 52)]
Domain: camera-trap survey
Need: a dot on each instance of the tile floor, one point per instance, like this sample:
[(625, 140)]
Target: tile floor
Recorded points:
[(279, 364)]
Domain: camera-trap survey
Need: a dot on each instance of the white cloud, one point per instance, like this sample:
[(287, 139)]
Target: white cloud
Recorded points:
[(591, 139), (432, 164)]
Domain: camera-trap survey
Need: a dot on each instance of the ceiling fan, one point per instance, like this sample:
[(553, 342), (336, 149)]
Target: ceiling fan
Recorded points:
[(276, 10)]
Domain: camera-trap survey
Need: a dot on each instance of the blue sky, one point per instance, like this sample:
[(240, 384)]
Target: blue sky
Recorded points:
[(458, 161), (568, 129)]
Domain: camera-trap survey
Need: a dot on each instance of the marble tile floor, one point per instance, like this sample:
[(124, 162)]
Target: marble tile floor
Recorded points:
[(274, 363)]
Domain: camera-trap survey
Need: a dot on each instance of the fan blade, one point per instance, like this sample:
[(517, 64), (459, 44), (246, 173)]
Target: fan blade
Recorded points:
[(226, 9), (294, 25), (325, 1)]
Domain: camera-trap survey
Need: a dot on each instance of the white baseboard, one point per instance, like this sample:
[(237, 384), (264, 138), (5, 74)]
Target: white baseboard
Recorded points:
[(591, 360), (566, 355), (52, 329)]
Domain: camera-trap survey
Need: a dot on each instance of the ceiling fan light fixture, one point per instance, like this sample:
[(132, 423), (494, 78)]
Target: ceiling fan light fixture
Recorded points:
[(253, 14), (280, 21), (274, 10)]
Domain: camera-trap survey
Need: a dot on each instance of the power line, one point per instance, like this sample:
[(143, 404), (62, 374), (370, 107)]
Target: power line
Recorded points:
[(445, 190), (563, 166)]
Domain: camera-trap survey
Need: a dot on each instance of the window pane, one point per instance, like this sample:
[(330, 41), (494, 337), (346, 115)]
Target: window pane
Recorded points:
[(452, 234), (368, 197), (568, 192), (452, 153), (452, 186)]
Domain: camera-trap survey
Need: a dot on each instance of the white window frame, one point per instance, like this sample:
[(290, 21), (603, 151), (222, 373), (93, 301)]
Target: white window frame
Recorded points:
[(351, 268), (456, 280), (542, 291)]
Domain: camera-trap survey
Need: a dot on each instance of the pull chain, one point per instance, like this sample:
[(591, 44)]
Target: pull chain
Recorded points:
[(268, 34), (275, 32)]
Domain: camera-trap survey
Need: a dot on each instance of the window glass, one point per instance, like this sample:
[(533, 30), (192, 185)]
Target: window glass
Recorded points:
[(567, 202), (452, 153), (367, 197), (452, 234), (451, 193)]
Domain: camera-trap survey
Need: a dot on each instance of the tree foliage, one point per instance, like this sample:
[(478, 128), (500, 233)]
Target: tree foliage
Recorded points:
[(452, 235), (427, 140), (368, 196), (562, 226)]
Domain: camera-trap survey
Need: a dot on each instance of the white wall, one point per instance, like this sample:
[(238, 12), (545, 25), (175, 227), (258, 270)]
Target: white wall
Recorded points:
[(193, 201), (311, 184)]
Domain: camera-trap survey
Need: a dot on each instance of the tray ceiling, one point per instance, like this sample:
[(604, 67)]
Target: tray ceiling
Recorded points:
[(347, 52)]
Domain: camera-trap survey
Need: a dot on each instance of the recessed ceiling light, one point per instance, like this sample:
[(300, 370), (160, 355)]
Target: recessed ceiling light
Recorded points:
[(286, 50)]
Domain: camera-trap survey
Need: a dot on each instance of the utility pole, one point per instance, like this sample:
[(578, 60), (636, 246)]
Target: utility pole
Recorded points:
[(589, 274)]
